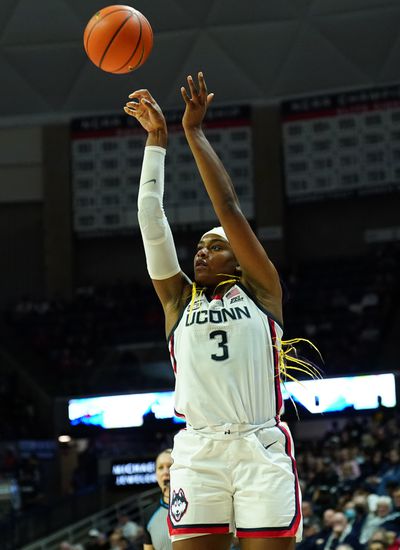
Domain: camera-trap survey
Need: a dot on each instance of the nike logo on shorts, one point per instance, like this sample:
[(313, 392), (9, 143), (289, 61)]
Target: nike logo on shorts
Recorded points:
[(268, 446), (150, 181)]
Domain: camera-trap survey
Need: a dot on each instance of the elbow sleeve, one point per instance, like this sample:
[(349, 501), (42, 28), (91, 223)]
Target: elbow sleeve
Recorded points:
[(161, 257)]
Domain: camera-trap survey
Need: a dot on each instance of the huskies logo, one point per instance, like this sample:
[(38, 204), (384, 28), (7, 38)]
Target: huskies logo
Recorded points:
[(178, 505)]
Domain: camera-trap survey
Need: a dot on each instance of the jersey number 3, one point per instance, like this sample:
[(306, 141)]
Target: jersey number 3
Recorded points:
[(222, 341)]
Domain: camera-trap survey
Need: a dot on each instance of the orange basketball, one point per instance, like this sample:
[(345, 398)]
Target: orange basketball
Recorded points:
[(118, 39)]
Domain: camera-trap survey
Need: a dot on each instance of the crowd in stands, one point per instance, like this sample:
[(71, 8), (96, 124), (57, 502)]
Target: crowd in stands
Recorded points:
[(126, 534), (351, 486), (21, 480), (73, 338), (350, 481), (343, 306)]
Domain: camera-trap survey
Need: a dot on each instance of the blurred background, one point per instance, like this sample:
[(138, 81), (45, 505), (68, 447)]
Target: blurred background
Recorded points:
[(306, 119)]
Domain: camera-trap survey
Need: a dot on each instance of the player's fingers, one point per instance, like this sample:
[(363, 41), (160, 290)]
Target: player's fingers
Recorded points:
[(185, 96), (134, 109), (135, 114), (192, 87), (202, 84), (151, 105), (210, 97), (130, 112), (132, 104), (142, 93), (137, 93)]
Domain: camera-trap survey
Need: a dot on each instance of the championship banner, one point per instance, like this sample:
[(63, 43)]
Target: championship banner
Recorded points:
[(107, 153), (342, 144)]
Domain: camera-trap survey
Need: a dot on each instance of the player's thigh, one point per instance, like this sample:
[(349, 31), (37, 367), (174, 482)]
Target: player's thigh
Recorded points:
[(267, 497), (205, 542), (200, 488), (282, 543)]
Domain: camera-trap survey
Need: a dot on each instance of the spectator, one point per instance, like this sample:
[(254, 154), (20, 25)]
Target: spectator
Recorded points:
[(97, 540), (118, 542), (392, 474), (349, 474), (383, 506), (341, 533), (378, 540), (311, 534), (396, 499), (360, 505), (393, 540), (308, 513), (129, 529), (327, 520), (380, 508)]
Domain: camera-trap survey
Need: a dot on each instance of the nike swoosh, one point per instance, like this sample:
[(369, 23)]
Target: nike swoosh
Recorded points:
[(268, 446), (150, 181)]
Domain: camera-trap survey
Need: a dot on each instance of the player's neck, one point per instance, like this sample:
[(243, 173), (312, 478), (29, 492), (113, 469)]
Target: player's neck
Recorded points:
[(220, 290)]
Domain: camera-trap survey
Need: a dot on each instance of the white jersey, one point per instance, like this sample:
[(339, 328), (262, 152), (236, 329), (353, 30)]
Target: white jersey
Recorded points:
[(225, 354)]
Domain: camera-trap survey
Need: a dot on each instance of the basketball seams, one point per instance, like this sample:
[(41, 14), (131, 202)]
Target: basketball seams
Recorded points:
[(112, 39), (143, 45), (151, 41), (100, 19), (136, 46)]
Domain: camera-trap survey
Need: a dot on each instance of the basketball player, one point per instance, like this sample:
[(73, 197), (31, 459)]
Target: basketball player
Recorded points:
[(155, 529), (234, 469)]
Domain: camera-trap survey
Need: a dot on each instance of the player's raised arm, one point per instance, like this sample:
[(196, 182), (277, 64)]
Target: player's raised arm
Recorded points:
[(257, 268), (161, 258)]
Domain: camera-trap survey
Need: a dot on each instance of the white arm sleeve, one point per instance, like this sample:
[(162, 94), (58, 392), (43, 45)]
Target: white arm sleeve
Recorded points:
[(159, 247)]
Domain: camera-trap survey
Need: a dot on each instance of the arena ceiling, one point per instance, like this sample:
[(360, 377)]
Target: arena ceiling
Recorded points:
[(254, 51)]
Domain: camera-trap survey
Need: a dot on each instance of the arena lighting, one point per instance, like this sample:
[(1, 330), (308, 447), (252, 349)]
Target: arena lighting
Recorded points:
[(366, 392), (122, 411), (337, 394), (64, 438)]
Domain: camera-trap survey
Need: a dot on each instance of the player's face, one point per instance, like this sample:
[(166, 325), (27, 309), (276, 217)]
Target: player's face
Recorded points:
[(163, 464), (214, 256)]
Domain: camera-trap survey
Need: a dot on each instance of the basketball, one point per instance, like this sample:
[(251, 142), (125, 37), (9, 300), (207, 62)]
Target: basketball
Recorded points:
[(118, 39)]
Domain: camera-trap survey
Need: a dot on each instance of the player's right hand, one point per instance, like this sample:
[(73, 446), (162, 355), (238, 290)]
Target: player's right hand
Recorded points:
[(146, 110)]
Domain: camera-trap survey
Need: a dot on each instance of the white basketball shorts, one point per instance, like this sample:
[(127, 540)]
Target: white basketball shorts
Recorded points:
[(228, 481)]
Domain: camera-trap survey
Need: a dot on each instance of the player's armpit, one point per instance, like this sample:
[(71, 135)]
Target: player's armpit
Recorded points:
[(171, 293)]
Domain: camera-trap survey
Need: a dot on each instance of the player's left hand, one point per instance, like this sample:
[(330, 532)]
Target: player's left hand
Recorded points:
[(197, 102)]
